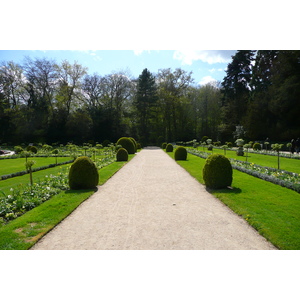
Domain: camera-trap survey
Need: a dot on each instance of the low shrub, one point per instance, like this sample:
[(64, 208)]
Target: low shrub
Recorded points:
[(18, 149), (256, 146), (164, 145), (122, 155), (169, 148), (83, 174), (180, 153), (127, 143), (217, 172)]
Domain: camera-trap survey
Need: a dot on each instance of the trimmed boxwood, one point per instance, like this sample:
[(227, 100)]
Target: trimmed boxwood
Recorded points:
[(180, 153), (83, 174), (164, 145), (169, 148), (127, 143), (122, 155), (217, 172)]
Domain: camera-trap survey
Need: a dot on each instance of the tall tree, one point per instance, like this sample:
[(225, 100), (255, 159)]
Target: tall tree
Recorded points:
[(146, 98), (236, 88)]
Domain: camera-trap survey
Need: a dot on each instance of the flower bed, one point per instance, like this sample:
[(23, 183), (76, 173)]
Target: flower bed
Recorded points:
[(283, 178)]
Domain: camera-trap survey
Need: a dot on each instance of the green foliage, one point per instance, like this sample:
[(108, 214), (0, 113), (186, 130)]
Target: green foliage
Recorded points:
[(164, 145), (180, 153), (127, 143), (18, 149), (83, 174), (256, 146), (134, 142), (217, 172), (169, 148), (122, 155)]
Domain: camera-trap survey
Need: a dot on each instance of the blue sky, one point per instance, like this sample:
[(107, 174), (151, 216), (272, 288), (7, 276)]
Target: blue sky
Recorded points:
[(206, 65)]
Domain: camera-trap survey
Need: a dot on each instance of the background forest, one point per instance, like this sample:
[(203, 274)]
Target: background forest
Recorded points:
[(44, 101)]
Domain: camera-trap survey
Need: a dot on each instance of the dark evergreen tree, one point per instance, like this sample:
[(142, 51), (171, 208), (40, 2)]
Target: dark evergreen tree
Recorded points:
[(236, 88), (144, 103)]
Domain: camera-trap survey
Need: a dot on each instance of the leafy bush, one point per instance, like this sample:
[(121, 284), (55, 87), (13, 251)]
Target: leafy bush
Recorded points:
[(122, 155), (164, 145), (32, 149), (217, 172), (180, 153), (18, 149), (256, 146), (127, 143), (169, 148), (106, 143), (83, 174)]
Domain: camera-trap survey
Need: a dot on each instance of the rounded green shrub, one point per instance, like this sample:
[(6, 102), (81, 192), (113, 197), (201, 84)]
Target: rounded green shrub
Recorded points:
[(127, 143), (122, 155), (164, 145), (33, 149), (169, 148), (256, 146), (217, 172), (180, 153), (18, 149), (83, 174), (134, 142)]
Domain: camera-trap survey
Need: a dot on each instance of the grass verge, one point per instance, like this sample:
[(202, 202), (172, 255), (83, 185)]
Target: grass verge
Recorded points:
[(271, 209), (23, 232)]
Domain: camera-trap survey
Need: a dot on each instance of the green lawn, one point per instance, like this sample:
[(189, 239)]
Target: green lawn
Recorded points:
[(271, 209), (14, 165), (288, 164), (25, 231)]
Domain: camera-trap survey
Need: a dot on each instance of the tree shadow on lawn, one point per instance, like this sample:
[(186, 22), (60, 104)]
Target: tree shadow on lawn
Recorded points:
[(228, 190)]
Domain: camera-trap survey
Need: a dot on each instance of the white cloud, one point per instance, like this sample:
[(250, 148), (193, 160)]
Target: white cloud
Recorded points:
[(138, 52), (213, 70), (209, 56), (207, 79)]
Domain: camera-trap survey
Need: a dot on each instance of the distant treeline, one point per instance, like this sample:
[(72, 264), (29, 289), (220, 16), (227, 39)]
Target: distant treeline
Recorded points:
[(43, 101)]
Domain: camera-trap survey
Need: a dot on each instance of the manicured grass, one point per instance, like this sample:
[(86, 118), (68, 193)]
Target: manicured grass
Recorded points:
[(274, 211), (288, 164), (25, 231), (17, 182), (9, 166)]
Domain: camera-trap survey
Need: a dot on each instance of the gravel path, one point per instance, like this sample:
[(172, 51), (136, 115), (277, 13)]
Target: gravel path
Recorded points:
[(152, 203)]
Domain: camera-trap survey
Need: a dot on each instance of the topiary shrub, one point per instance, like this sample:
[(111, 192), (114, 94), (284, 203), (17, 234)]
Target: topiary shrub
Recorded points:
[(169, 148), (180, 153), (33, 149), (83, 174), (127, 143), (135, 143), (122, 155), (164, 145), (18, 149), (256, 146), (217, 172)]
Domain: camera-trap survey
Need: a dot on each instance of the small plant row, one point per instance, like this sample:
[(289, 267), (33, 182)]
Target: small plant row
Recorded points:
[(3, 177), (280, 177), (28, 197)]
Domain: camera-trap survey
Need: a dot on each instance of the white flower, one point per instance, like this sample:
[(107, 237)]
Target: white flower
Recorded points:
[(11, 189)]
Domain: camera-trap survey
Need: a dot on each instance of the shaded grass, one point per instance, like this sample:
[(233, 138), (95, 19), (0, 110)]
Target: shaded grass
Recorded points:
[(23, 232), (274, 211)]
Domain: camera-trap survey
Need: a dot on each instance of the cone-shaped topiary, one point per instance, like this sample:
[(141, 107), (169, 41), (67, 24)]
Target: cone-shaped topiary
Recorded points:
[(127, 143), (217, 172), (180, 153), (83, 174), (122, 155), (169, 148)]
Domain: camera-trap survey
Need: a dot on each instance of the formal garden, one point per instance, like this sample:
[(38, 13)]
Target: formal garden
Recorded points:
[(264, 195), (37, 189)]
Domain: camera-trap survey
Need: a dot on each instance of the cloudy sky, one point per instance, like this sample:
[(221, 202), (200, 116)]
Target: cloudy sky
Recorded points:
[(206, 65)]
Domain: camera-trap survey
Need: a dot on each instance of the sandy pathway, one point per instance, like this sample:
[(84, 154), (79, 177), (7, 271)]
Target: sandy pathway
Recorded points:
[(152, 203)]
